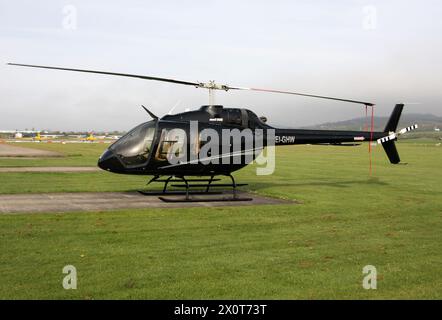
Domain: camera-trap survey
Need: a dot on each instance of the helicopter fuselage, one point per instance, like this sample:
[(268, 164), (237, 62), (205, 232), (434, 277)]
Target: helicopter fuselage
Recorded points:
[(149, 148)]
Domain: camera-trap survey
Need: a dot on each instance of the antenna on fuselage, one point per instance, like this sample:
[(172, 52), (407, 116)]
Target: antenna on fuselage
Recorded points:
[(150, 113)]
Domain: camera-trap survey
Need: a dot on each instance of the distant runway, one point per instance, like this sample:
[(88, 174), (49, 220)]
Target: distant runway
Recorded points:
[(103, 201), (7, 150), (49, 169)]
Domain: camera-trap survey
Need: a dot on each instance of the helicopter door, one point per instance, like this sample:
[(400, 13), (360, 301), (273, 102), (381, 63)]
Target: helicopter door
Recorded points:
[(172, 144)]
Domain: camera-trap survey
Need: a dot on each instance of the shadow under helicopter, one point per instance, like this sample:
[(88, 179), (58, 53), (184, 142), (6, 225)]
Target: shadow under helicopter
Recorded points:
[(336, 184)]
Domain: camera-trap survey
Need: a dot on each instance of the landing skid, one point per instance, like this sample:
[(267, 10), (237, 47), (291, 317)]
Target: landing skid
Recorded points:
[(175, 192), (201, 188), (225, 199)]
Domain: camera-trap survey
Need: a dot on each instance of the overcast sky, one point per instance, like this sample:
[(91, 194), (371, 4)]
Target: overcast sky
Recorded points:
[(381, 51)]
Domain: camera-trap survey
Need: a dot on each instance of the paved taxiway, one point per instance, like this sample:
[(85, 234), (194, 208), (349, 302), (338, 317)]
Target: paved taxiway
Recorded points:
[(102, 201), (7, 150)]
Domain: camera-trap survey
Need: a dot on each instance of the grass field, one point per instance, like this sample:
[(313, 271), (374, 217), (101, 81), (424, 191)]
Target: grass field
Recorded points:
[(317, 249)]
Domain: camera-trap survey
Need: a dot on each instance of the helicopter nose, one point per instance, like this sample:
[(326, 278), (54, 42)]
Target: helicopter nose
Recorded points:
[(109, 162)]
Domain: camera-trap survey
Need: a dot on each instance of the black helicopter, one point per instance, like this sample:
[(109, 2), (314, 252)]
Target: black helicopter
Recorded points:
[(145, 149)]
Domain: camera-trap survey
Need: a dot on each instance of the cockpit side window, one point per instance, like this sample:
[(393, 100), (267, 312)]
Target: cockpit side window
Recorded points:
[(134, 148)]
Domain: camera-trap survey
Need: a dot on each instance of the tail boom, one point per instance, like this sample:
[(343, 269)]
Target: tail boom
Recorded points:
[(301, 136), (337, 137)]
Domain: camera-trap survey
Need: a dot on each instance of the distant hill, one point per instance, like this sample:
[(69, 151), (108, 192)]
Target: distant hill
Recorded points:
[(426, 123)]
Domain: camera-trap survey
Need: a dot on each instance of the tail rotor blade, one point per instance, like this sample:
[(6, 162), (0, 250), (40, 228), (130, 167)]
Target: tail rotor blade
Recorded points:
[(394, 135)]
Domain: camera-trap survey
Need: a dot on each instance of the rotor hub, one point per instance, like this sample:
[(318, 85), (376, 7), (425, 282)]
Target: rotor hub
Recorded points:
[(212, 85)]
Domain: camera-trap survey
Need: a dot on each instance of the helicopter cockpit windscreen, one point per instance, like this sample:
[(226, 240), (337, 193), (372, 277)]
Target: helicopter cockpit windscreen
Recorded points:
[(133, 148)]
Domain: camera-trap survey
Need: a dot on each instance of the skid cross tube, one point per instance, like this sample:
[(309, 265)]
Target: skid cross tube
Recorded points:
[(194, 188), (208, 185)]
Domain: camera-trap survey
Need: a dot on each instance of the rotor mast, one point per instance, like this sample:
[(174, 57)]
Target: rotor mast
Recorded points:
[(211, 86)]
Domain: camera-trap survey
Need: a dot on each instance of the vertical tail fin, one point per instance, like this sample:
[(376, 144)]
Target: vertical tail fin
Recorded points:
[(394, 118), (389, 146), (391, 151)]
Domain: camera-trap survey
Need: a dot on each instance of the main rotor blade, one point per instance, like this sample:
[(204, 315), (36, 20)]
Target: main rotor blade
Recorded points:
[(110, 73), (211, 85), (303, 94)]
